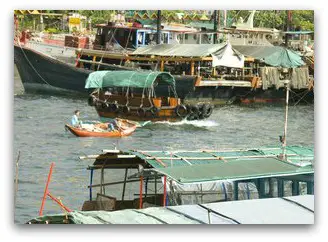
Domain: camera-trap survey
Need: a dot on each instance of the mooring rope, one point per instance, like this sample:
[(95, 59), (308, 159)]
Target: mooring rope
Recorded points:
[(31, 64)]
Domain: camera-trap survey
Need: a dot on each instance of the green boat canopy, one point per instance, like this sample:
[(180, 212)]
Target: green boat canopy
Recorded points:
[(234, 170), (272, 55), (137, 79)]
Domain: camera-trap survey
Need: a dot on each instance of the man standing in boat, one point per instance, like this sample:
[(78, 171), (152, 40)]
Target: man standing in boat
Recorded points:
[(75, 119)]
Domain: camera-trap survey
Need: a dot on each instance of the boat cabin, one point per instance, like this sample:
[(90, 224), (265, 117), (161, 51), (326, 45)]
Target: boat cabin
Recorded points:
[(113, 36), (170, 178)]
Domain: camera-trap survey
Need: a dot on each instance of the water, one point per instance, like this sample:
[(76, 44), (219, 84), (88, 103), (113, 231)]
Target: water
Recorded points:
[(40, 137)]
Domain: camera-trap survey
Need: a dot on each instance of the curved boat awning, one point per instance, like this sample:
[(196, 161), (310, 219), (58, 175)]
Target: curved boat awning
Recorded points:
[(138, 79)]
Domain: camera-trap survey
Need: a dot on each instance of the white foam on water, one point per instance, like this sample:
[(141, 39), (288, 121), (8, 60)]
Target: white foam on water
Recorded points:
[(196, 123)]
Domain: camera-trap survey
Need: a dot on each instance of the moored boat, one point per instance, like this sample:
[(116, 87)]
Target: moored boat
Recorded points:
[(125, 128), (141, 96)]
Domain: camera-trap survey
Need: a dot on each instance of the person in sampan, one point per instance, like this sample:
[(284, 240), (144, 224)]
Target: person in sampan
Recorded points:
[(113, 125), (75, 119)]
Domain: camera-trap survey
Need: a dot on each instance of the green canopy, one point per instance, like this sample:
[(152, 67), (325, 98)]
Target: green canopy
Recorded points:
[(234, 170), (272, 55), (138, 79)]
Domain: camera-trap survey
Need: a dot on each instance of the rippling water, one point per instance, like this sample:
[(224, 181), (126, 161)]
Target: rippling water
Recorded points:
[(40, 137)]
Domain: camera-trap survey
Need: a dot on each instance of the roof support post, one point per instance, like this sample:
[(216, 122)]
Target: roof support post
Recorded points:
[(93, 60), (124, 184), (281, 186), (140, 192), (192, 68), (310, 188), (235, 190), (295, 188), (90, 188), (261, 188), (164, 192)]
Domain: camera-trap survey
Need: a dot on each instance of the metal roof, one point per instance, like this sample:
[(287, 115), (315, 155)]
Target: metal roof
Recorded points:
[(234, 170), (287, 210), (297, 155)]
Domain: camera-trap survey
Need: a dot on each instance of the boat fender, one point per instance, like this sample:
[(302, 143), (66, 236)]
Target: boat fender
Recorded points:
[(114, 107), (154, 110), (92, 101), (141, 112), (126, 109), (194, 109), (181, 111)]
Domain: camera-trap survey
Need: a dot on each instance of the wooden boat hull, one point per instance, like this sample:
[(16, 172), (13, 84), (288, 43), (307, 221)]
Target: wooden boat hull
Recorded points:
[(125, 131)]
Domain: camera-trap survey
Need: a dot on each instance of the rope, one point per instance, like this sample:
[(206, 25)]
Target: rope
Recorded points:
[(217, 213), (31, 64), (291, 201), (126, 46), (100, 61)]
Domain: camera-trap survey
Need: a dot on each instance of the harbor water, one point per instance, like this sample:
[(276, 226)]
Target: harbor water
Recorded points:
[(40, 137)]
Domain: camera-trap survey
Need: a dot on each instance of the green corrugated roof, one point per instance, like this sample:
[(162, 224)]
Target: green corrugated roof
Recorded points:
[(234, 170), (296, 154)]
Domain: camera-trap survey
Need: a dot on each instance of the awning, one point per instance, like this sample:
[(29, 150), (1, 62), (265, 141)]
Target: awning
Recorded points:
[(272, 55), (138, 79), (223, 54), (234, 170)]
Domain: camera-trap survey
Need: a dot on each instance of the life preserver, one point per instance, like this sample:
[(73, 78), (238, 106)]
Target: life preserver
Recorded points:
[(92, 101), (141, 112), (207, 110), (181, 111), (125, 109), (194, 109)]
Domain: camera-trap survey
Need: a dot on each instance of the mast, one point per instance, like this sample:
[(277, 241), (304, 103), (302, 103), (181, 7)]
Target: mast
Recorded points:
[(288, 22), (158, 41), (215, 26)]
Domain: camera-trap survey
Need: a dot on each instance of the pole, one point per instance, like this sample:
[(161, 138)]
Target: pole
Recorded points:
[(46, 189), (288, 21), (16, 181), (225, 19), (124, 184), (158, 41), (286, 119), (215, 26), (140, 194), (164, 192)]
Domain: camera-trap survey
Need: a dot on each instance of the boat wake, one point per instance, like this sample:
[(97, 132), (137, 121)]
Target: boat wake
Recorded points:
[(196, 123)]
